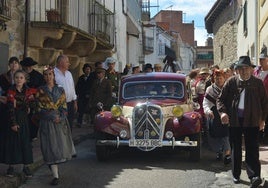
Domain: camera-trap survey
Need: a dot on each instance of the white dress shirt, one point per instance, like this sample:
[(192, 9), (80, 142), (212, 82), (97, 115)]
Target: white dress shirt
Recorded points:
[(66, 81)]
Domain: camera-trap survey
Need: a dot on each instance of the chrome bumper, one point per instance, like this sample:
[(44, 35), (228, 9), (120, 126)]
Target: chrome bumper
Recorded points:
[(171, 143)]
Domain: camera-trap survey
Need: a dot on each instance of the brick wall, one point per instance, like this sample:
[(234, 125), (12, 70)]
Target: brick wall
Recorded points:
[(175, 23)]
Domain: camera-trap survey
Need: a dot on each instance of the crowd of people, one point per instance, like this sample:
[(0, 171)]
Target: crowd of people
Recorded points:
[(32, 102), (44, 104), (233, 105)]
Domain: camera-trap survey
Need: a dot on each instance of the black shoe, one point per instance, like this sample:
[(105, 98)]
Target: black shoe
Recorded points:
[(236, 180), (255, 182), (227, 159), (10, 172), (74, 155), (219, 156), (27, 172), (55, 181)]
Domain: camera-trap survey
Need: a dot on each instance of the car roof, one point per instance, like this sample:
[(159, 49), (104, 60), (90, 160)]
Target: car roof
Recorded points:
[(154, 76)]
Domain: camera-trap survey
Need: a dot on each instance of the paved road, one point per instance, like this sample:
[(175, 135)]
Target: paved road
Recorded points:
[(130, 169)]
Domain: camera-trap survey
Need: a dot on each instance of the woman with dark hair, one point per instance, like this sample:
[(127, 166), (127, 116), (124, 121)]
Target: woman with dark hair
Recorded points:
[(55, 133), (6, 80), (82, 89), (218, 137)]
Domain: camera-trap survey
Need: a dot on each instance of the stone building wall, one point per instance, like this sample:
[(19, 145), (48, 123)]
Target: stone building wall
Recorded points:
[(16, 28), (225, 38)]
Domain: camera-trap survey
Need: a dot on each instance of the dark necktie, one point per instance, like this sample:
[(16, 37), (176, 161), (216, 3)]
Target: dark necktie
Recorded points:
[(243, 84)]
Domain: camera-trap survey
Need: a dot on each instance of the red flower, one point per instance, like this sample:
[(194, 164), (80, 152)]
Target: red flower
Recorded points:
[(29, 94), (11, 95)]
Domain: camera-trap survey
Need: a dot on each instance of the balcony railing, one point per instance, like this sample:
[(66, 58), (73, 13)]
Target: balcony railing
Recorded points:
[(102, 22), (86, 15), (5, 13)]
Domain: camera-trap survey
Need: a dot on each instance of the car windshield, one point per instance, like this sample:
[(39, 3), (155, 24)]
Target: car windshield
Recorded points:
[(153, 89)]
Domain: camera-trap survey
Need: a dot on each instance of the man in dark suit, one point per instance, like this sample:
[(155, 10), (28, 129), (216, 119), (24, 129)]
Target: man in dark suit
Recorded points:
[(101, 92), (243, 104)]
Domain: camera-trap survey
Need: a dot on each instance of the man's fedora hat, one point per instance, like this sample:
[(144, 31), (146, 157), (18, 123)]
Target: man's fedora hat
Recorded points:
[(27, 62), (244, 61)]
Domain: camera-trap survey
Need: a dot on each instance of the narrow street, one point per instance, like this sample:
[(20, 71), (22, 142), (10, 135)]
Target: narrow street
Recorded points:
[(134, 169)]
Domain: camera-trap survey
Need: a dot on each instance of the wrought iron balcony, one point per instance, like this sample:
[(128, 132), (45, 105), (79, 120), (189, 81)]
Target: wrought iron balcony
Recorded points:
[(5, 14), (86, 16)]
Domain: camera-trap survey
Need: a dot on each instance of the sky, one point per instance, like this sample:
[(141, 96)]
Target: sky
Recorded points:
[(192, 10)]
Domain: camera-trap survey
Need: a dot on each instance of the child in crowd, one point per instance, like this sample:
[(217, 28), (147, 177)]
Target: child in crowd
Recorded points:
[(20, 102)]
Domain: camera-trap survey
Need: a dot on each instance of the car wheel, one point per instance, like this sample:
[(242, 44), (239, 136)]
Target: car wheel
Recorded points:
[(195, 152), (103, 153)]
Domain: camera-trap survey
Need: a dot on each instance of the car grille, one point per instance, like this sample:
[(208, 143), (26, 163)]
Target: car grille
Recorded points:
[(147, 122)]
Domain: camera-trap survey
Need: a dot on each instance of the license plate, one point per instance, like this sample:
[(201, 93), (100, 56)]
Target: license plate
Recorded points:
[(145, 143)]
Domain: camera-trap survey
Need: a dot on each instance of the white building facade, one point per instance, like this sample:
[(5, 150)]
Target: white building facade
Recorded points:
[(247, 29), (128, 38)]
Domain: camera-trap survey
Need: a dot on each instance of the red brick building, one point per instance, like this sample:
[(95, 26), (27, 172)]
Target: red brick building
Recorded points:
[(172, 21)]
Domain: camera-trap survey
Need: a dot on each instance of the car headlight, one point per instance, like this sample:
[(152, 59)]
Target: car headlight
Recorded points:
[(116, 111), (177, 111)]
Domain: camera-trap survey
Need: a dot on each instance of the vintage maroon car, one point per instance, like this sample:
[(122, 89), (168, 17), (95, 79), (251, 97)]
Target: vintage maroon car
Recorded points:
[(154, 110)]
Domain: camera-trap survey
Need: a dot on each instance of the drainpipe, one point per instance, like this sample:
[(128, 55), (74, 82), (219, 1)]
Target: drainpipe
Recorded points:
[(127, 46), (115, 33), (123, 8), (26, 28), (256, 33)]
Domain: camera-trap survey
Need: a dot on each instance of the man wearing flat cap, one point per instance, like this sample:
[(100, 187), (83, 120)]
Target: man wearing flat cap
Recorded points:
[(36, 80), (101, 93), (243, 105), (262, 73)]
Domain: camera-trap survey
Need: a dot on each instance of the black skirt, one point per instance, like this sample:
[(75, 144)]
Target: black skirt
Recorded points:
[(216, 128)]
